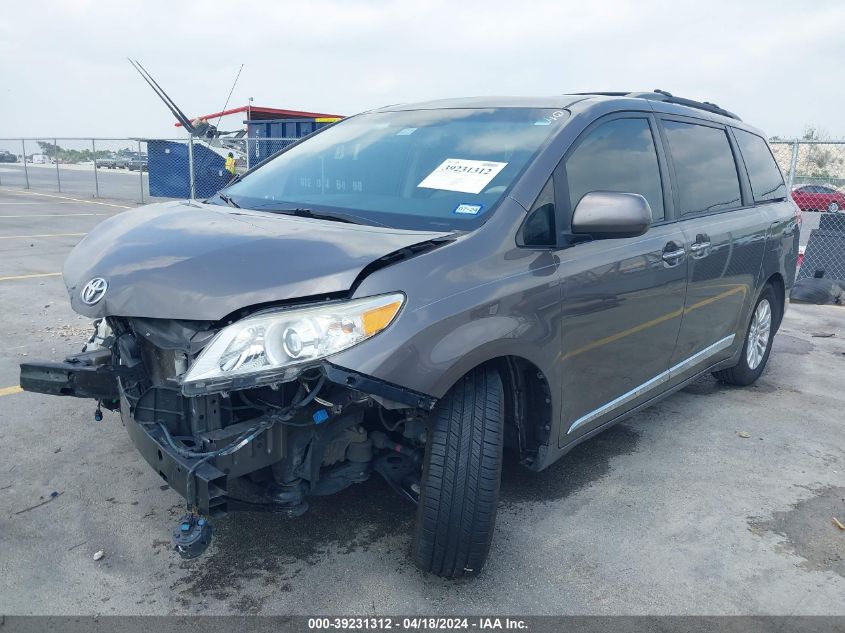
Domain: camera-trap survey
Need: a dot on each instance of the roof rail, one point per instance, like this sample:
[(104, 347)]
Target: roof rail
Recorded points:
[(667, 97)]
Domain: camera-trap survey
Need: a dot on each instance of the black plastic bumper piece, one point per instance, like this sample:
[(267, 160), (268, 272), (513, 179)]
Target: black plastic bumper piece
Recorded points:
[(209, 485), (86, 375), (377, 387)]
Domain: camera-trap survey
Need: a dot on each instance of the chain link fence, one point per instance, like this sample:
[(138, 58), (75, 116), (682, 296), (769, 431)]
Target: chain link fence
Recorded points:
[(815, 172), (129, 169), (815, 175)]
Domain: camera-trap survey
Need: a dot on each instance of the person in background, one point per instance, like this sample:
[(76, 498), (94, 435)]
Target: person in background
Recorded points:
[(230, 163)]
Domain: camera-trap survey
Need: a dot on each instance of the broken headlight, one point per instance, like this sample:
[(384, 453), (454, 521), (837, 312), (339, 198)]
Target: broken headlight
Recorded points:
[(274, 346)]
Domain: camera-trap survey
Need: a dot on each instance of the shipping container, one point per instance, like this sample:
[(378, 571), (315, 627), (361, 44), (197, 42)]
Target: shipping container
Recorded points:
[(266, 137)]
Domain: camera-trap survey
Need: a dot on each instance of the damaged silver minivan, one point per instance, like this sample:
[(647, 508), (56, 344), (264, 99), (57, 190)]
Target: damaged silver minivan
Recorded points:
[(413, 290)]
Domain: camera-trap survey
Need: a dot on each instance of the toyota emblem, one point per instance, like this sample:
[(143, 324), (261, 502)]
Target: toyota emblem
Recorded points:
[(93, 291)]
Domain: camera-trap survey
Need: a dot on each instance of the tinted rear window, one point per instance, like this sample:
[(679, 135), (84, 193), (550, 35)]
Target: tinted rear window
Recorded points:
[(705, 172), (763, 171)]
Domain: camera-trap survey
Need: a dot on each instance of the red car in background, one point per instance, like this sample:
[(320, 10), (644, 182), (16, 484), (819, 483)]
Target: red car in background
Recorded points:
[(818, 198)]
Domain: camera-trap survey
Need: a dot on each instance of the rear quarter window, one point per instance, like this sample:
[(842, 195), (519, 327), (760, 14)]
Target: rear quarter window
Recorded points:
[(763, 172), (705, 171)]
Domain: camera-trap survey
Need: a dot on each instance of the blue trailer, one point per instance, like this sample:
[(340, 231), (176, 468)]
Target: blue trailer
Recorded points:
[(268, 131), (266, 137), (168, 166)]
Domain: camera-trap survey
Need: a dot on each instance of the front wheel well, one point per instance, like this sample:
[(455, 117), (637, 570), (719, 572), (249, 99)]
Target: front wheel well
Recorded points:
[(527, 406)]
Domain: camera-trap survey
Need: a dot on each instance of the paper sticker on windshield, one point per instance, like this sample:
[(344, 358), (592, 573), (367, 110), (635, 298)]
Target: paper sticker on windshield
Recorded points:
[(468, 209), (406, 131), (457, 174)]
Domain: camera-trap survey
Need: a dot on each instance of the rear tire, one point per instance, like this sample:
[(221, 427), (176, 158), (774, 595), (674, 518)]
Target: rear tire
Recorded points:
[(760, 332), (459, 492)]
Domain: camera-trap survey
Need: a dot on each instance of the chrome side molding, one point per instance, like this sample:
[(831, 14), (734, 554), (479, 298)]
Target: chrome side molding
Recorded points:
[(660, 379)]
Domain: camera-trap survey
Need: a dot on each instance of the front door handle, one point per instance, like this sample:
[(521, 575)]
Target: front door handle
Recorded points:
[(673, 254)]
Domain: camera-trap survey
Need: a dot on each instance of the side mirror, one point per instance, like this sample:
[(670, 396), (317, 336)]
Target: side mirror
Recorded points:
[(610, 214)]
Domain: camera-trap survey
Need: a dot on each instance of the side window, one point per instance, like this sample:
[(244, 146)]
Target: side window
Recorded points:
[(705, 171), (763, 171), (539, 227), (617, 156)]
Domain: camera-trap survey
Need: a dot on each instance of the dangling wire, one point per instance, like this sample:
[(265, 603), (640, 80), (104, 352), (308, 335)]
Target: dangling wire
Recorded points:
[(279, 417), (225, 105)]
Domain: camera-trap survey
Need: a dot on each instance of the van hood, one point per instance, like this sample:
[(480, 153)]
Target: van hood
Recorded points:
[(196, 261)]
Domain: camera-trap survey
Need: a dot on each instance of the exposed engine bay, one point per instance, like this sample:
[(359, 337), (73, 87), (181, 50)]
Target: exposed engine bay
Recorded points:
[(265, 448)]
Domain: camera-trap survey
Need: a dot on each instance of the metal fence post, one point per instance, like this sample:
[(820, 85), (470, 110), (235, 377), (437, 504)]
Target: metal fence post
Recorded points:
[(790, 177), (141, 171), (56, 156), (191, 166), (96, 177), (25, 170)]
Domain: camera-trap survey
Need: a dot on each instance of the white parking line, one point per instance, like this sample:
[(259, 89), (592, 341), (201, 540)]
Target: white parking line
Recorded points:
[(55, 215), (32, 276), (50, 195), (23, 237)]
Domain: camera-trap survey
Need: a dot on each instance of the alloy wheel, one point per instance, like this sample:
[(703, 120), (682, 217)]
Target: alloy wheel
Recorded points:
[(758, 334)]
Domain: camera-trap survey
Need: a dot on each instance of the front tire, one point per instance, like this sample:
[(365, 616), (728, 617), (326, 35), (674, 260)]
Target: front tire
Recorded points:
[(459, 492), (758, 342), (833, 207)]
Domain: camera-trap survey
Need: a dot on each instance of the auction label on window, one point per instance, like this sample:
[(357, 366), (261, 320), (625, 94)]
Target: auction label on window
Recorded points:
[(457, 174)]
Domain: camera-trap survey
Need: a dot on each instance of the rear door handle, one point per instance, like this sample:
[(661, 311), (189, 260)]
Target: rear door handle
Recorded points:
[(701, 246)]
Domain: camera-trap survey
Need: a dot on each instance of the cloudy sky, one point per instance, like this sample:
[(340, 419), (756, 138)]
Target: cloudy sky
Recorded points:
[(63, 68)]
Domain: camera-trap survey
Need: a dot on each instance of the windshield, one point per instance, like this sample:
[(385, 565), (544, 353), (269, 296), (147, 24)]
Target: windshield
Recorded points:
[(418, 169)]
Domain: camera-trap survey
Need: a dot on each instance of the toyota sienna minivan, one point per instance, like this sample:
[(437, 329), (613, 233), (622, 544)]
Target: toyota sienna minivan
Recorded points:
[(413, 290)]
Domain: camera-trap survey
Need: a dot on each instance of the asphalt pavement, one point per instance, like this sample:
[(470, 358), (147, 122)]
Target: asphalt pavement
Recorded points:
[(718, 500), (78, 181)]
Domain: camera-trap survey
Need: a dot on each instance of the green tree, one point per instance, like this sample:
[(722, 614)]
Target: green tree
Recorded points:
[(820, 157), (63, 155)]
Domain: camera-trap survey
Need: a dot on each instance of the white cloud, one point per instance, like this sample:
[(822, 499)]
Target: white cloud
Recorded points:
[(63, 68)]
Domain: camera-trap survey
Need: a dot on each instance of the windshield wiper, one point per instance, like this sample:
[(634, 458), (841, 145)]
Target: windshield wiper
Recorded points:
[(309, 213), (228, 200), (302, 212)]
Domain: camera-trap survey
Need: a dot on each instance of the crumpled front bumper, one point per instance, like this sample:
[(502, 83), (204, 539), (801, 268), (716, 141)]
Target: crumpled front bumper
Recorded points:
[(85, 375), (93, 375), (209, 485)]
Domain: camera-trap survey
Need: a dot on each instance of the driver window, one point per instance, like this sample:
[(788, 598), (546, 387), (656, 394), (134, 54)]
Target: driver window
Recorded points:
[(617, 156)]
